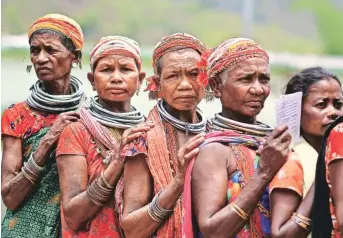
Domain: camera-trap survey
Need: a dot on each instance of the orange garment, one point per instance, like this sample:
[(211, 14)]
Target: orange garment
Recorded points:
[(76, 140), (158, 150), (21, 121), (334, 151)]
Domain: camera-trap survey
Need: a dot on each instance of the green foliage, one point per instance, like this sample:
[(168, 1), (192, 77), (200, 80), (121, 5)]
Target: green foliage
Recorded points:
[(329, 21)]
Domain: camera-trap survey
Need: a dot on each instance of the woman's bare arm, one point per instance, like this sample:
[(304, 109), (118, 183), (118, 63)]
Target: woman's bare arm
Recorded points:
[(209, 186), (283, 203), (138, 190), (15, 188), (212, 168), (73, 175)]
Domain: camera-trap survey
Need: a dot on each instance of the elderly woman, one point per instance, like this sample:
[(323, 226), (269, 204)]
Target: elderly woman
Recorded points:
[(155, 170), (30, 130), (321, 105), (88, 158), (234, 192)]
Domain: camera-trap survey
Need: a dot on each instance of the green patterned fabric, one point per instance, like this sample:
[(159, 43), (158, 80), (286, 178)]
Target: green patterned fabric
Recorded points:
[(39, 215)]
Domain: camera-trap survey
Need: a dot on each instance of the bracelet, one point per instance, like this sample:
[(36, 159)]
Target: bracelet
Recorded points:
[(34, 165), (157, 212), (301, 220), (28, 170), (105, 182), (152, 215), (98, 194), (239, 211), (28, 177)]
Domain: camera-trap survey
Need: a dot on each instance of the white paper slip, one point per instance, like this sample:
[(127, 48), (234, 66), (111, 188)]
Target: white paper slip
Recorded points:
[(288, 112)]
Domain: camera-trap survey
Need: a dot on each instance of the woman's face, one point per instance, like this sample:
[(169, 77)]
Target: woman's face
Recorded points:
[(116, 78), (321, 106), (178, 80), (245, 88), (50, 58)]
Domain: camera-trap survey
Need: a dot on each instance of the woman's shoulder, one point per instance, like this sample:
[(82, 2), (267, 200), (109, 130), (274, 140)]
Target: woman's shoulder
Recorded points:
[(77, 129), (338, 129)]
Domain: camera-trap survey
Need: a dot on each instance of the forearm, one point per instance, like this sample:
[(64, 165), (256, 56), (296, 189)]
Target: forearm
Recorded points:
[(16, 190), (18, 186), (81, 208), (292, 229), (227, 221), (139, 223)]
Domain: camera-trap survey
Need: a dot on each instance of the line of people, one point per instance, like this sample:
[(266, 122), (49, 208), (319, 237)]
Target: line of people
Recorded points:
[(103, 169)]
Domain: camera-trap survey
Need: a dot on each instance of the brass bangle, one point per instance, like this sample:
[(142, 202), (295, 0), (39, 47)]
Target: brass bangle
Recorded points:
[(302, 217), (304, 223), (239, 211)]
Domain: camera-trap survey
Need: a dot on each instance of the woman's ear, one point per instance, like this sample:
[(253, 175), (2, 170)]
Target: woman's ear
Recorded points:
[(90, 77), (141, 77), (215, 84)]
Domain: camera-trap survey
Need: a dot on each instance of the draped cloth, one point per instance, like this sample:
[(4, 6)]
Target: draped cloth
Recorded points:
[(103, 136), (290, 176), (160, 169)]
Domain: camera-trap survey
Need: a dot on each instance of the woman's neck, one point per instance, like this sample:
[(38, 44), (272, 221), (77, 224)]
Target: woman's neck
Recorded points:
[(314, 141), (58, 86), (189, 116), (237, 116), (117, 107)]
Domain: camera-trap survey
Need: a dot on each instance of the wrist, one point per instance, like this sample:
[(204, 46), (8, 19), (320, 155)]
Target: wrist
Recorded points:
[(41, 153), (264, 177), (179, 180)]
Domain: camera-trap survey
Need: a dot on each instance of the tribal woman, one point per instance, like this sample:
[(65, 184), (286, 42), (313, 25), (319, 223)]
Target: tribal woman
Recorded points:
[(236, 188), (88, 153), (30, 130), (155, 168)]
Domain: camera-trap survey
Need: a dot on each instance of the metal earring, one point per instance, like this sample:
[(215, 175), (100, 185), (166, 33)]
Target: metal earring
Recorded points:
[(74, 64), (28, 68), (137, 92)]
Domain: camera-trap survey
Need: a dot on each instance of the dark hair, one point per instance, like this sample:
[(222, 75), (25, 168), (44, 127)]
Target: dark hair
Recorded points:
[(64, 40), (301, 82), (321, 217)]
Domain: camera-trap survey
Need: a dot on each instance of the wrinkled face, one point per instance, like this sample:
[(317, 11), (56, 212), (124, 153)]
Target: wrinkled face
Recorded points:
[(50, 58), (322, 105), (116, 78), (178, 80), (245, 88)]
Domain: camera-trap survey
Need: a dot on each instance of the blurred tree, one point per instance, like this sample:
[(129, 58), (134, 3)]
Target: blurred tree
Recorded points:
[(329, 20)]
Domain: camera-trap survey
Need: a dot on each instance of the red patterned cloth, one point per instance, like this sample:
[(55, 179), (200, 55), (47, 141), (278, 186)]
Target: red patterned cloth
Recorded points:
[(21, 121), (334, 151), (290, 176), (77, 140), (155, 146)]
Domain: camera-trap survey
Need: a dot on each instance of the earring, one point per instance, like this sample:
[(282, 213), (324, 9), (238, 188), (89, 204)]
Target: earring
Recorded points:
[(28, 68), (74, 64), (137, 92)]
